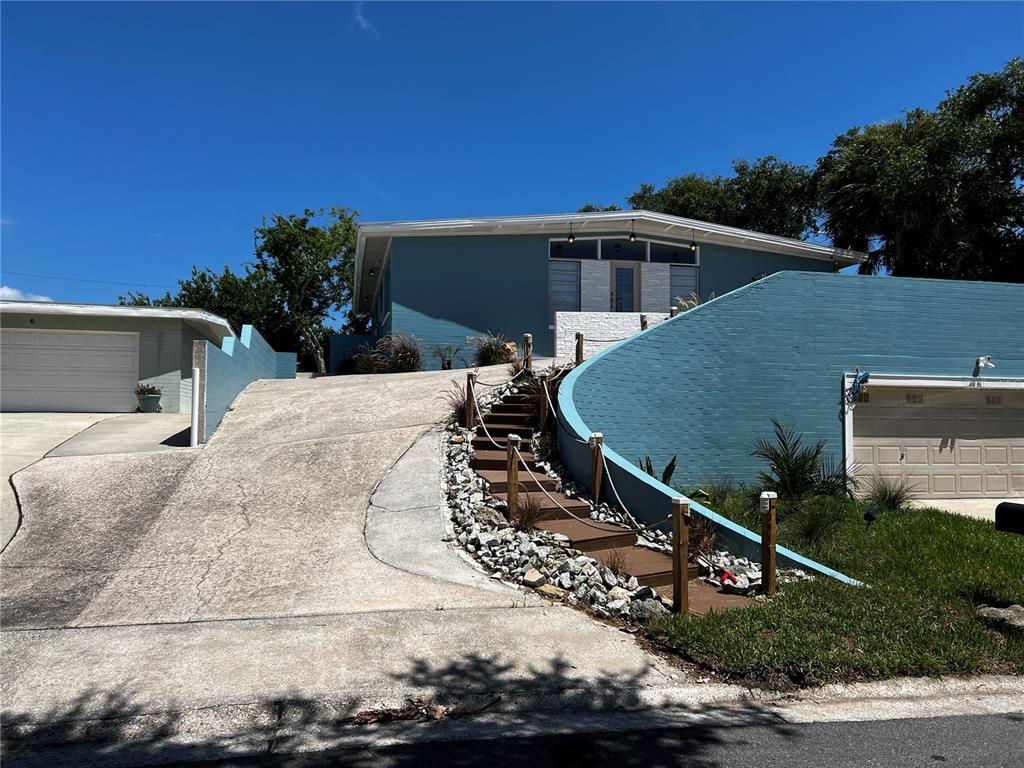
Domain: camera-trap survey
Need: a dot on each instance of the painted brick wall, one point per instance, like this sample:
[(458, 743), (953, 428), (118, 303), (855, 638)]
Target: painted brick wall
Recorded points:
[(704, 385), (655, 287), (595, 287), (232, 367), (601, 330)]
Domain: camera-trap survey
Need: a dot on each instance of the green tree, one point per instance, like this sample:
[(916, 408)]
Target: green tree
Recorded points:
[(594, 208), (936, 193), (768, 195), (302, 275), (312, 266)]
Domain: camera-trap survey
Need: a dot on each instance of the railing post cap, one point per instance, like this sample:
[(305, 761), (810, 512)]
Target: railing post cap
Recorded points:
[(471, 375), (769, 495), (514, 439), (542, 374), (528, 336)]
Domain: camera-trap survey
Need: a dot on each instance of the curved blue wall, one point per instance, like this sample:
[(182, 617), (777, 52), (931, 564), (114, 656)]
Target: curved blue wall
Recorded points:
[(704, 385)]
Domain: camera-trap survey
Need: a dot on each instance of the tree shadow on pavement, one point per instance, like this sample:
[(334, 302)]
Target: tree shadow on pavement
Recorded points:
[(489, 712)]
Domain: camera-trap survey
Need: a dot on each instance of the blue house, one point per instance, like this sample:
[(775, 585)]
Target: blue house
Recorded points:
[(452, 280)]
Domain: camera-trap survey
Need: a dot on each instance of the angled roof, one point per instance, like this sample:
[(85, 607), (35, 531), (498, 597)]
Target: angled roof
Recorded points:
[(375, 237), (213, 326)]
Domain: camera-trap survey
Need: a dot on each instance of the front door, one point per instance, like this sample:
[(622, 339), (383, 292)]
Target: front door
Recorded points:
[(625, 286)]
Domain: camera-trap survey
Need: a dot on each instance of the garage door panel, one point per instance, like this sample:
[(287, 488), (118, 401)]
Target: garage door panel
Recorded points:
[(68, 371), (947, 442)]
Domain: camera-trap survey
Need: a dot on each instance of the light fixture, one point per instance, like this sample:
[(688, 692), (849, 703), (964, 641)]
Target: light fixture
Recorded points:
[(632, 232), (571, 238), (693, 243)]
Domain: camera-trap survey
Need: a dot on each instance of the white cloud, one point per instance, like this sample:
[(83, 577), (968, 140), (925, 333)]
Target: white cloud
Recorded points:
[(364, 23), (6, 221), (13, 294)]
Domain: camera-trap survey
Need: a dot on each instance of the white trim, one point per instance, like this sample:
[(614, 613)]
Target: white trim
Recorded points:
[(214, 325), (71, 330), (916, 382)]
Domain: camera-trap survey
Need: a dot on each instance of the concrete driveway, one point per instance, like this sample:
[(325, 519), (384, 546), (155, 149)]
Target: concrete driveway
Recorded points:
[(216, 583), (24, 439)]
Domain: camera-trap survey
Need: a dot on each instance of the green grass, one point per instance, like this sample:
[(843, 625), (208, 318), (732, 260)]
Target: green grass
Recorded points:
[(926, 570)]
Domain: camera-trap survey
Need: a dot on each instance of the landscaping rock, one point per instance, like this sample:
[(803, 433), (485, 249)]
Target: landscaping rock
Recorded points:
[(644, 610), (1011, 617), (550, 590), (618, 593), (491, 517), (534, 578)]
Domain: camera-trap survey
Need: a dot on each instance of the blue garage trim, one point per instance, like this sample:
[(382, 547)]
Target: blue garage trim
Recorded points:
[(648, 499)]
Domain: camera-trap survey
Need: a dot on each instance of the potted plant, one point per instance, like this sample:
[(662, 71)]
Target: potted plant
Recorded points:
[(148, 397)]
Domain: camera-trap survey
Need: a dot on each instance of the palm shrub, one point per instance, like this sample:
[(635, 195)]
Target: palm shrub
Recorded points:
[(494, 349), (446, 355), (666, 474), (795, 469)]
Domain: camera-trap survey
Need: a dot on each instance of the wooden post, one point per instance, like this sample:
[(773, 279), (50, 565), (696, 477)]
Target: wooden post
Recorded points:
[(673, 311), (643, 322), (543, 376), (528, 351), (680, 555), (470, 401), (512, 470), (579, 349), (597, 465), (768, 501)]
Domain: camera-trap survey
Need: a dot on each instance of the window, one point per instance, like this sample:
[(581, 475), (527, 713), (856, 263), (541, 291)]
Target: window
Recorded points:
[(581, 249), (665, 253), (683, 283), (620, 249), (993, 399), (563, 287), (915, 398)]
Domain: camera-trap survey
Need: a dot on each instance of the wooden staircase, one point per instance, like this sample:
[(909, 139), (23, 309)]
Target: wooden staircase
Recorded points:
[(605, 542)]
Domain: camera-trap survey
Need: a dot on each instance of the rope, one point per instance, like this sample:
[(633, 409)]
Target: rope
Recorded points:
[(605, 341), (608, 474), (499, 383), (586, 521)]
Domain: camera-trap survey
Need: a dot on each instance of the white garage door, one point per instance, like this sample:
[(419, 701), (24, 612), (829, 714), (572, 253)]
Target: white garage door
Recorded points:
[(950, 442), (68, 371)]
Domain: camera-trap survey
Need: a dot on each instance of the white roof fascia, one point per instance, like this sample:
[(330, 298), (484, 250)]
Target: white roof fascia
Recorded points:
[(209, 323)]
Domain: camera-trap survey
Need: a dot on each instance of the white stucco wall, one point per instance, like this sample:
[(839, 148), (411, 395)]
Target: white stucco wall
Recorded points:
[(600, 329), (655, 287)]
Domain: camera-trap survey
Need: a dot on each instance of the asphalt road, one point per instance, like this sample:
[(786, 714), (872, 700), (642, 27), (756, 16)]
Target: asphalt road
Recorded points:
[(947, 741)]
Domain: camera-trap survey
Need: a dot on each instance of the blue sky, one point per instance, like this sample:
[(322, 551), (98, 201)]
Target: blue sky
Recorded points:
[(140, 138)]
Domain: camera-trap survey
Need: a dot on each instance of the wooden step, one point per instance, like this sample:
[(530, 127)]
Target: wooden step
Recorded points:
[(498, 480), (481, 443), (589, 536), (516, 408), (705, 598), (492, 458), (652, 569), (502, 428), (524, 419), (515, 399), (550, 510)]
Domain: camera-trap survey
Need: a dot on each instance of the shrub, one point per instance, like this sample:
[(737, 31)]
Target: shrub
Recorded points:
[(797, 470), (685, 305), (703, 539), (815, 520), (890, 493), (494, 349), (455, 396), (615, 561), (528, 512), (147, 389), (446, 354), (402, 353), (368, 360)]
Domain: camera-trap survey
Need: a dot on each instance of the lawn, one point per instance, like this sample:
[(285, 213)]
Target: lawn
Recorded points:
[(926, 569)]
